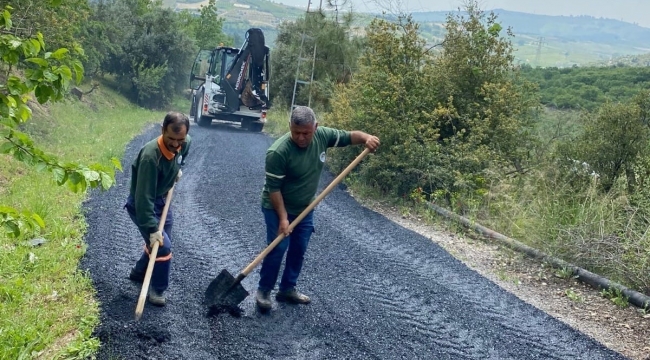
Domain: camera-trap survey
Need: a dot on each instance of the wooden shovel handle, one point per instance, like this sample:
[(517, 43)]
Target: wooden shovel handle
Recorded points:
[(304, 213), (152, 258)]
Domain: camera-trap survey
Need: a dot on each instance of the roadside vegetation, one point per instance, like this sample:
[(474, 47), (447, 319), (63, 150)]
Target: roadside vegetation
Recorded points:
[(127, 61), (556, 158)]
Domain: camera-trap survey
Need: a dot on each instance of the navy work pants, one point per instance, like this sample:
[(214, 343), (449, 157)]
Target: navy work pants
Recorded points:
[(296, 244), (160, 274)]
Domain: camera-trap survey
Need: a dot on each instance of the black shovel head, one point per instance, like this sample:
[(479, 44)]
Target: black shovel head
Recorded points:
[(225, 291)]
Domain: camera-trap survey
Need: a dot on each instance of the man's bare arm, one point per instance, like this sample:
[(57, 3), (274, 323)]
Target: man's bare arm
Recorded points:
[(359, 137), (278, 204)]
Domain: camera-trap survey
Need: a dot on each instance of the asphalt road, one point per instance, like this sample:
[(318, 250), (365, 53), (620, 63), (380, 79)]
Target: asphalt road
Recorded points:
[(379, 291)]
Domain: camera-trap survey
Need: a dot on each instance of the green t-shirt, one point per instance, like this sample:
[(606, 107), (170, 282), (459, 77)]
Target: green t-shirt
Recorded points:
[(152, 176), (295, 172)]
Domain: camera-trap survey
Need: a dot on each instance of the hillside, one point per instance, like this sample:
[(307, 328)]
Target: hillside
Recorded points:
[(540, 40), (565, 40)]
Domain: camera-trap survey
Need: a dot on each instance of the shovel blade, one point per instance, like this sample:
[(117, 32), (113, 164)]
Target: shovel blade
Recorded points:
[(225, 291)]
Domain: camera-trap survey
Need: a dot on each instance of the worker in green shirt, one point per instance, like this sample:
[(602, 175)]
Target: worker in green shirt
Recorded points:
[(294, 163), (153, 173)]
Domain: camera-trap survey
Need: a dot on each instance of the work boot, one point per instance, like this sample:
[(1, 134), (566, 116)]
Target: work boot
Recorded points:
[(136, 276), (292, 296), (156, 298), (263, 300)]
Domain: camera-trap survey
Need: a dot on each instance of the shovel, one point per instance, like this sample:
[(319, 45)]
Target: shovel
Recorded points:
[(226, 291), (152, 258)]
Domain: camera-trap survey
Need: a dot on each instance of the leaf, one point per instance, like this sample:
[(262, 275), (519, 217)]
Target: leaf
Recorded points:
[(90, 175), (78, 70), (40, 166), (38, 61), (7, 17), (76, 178), (116, 163), (43, 93), (13, 227), (60, 53), (36, 45), (49, 76), (107, 181), (65, 72), (23, 112), (38, 220), (59, 175), (7, 148)]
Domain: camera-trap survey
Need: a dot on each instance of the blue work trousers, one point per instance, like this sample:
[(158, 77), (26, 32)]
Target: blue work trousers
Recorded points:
[(160, 274), (296, 243)]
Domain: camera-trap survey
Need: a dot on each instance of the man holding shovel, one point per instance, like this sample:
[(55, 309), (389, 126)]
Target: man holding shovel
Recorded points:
[(153, 173), (294, 164)]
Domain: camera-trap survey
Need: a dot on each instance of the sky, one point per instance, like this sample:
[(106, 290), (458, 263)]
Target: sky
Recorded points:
[(633, 11)]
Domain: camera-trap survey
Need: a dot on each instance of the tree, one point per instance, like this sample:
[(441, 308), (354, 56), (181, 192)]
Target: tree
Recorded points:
[(154, 56), (337, 52), (491, 102), (47, 75), (615, 142), (444, 118), (59, 21), (208, 30), (391, 96)]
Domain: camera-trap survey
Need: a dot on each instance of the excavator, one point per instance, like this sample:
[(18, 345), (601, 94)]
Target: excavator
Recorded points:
[(232, 84)]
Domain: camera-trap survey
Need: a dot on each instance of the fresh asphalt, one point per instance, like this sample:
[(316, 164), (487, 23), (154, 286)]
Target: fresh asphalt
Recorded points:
[(379, 291)]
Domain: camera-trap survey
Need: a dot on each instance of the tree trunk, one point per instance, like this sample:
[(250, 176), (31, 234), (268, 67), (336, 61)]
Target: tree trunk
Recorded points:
[(631, 178)]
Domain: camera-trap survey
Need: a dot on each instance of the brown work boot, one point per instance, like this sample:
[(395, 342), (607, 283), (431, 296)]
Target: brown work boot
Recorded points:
[(263, 300), (156, 298), (292, 296)]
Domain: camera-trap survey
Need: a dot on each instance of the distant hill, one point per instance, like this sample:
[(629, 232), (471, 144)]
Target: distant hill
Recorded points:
[(540, 40), (562, 41), (568, 28)]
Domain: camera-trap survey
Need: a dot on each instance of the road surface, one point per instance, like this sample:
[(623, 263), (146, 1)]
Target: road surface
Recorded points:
[(379, 291)]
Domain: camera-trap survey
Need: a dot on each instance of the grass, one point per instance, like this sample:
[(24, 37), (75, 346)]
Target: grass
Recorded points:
[(47, 304), (277, 121)]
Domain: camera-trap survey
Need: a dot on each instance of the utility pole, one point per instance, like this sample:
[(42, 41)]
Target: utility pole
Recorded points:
[(304, 50), (538, 55)]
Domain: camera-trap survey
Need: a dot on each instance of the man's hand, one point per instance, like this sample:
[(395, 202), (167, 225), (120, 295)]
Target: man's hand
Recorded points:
[(156, 237), (180, 173), (284, 227), (372, 143)]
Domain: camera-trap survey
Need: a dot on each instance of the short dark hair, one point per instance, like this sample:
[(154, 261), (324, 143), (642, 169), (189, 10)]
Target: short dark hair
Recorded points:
[(176, 120), (303, 115)]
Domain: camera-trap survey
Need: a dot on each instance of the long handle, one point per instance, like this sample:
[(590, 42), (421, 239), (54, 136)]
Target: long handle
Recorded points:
[(152, 258), (304, 213)]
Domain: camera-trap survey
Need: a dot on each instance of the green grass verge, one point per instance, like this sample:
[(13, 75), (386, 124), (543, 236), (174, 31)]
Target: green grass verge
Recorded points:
[(47, 306), (277, 121)]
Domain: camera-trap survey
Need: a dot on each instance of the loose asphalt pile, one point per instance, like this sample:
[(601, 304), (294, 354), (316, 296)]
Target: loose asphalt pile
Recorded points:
[(378, 291)]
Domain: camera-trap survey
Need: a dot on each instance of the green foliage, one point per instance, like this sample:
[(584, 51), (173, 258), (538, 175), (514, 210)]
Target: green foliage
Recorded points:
[(336, 58), (47, 75), (154, 55), (147, 47), (614, 142), (59, 21), (208, 28), (587, 87), (445, 119)]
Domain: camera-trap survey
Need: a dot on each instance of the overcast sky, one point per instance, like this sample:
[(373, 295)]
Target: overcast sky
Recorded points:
[(634, 11)]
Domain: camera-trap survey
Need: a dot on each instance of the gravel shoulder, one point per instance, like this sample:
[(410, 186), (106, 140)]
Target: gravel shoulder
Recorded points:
[(625, 330)]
